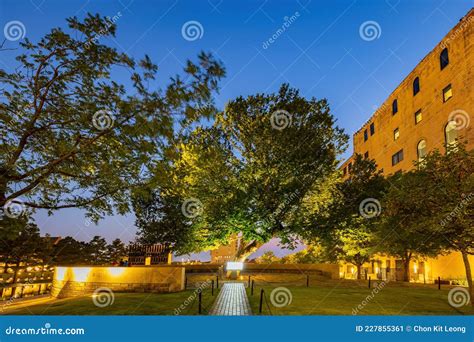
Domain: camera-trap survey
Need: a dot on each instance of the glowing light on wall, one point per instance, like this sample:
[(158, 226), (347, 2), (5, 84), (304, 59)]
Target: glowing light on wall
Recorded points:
[(81, 273), (415, 268), (116, 271), (234, 266), (60, 273)]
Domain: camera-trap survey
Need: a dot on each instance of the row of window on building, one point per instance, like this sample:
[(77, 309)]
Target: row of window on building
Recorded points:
[(447, 94)]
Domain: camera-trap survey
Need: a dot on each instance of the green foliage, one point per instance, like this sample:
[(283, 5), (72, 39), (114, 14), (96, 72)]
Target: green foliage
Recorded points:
[(248, 176), (54, 150)]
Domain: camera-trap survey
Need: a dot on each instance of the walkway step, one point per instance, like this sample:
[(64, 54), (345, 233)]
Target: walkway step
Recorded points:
[(232, 301)]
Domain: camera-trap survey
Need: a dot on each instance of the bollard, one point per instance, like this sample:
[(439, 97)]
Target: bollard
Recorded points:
[(217, 281), (260, 307), (212, 288), (249, 282), (439, 283), (307, 280), (251, 288), (369, 282), (200, 302)]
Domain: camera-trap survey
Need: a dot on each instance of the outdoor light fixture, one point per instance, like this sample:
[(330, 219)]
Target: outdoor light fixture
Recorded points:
[(234, 266)]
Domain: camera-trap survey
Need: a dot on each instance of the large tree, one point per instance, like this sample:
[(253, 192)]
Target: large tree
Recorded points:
[(71, 136), (248, 172), (345, 226), (443, 198)]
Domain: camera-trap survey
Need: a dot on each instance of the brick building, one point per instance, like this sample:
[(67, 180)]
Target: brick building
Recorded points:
[(430, 109)]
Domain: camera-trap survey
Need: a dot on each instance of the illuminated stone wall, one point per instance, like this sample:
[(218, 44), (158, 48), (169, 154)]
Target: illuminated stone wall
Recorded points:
[(77, 281)]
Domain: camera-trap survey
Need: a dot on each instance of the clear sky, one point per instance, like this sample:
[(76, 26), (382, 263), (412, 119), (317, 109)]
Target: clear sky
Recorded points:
[(321, 51)]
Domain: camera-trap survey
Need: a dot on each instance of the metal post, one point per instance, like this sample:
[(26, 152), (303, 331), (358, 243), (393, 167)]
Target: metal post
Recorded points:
[(307, 280), (260, 307), (369, 282), (251, 288), (217, 281), (439, 283), (212, 288), (249, 282), (200, 302)]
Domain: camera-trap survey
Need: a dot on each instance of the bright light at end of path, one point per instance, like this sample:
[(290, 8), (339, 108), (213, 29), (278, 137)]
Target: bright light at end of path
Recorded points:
[(235, 266)]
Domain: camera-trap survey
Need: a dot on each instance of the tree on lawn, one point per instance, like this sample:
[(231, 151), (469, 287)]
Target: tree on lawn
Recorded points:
[(401, 230), (345, 226), (268, 257), (70, 136), (445, 195), (249, 171)]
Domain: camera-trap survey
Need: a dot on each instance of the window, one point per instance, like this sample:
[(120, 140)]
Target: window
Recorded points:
[(416, 86), (397, 157), (394, 107), (418, 116), (366, 155), (447, 93), (366, 136), (444, 58), (396, 134), (451, 134), (372, 128), (421, 150)]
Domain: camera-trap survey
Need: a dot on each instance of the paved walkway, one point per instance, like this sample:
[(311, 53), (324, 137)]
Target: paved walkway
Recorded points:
[(232, 301)]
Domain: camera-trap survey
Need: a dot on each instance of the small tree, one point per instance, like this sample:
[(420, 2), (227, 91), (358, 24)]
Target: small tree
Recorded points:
[(268, 257), (116, 251)]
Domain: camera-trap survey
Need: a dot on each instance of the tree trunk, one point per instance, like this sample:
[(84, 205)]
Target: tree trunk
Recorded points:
[(246, 249), (359, 271), (406, 269), (467, 265)]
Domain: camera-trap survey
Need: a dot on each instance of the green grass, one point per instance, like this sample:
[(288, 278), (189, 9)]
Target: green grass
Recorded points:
[(340, 299), (125, 304)]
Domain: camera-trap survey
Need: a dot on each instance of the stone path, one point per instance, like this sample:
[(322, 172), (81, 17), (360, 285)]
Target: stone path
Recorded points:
[(232, 301)]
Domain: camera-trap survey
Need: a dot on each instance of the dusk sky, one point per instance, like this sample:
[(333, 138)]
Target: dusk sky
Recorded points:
[(321, 52)]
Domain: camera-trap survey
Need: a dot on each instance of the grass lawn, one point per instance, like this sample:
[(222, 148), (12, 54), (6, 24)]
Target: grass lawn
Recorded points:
[(125, 304), (341, 299)]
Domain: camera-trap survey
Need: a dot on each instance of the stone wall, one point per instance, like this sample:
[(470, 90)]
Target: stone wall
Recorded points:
[(327, 270), (78, 281)]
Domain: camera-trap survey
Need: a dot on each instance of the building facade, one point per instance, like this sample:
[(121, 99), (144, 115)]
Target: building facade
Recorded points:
[(430, 109)]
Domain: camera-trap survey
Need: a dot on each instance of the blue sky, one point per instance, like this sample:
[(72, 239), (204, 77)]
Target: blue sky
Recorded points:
[(321, 52)]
